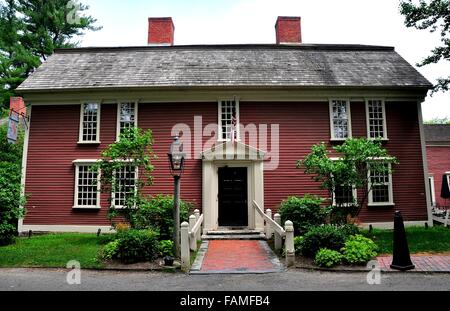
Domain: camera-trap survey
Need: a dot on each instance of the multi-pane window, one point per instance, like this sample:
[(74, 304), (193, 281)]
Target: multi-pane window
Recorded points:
[(380, 185), (229, 120), (344, 195), (125, 185), (90, 119), (126, 117), (340, 119), (376, 119), (86, 187)]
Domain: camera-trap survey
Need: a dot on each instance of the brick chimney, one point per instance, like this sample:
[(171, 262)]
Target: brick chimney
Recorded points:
[(160, 31), (18, 105), (288, 30)]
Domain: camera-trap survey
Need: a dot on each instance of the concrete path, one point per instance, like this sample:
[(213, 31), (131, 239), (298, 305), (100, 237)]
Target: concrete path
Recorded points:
[(423, 263), (236, 256)]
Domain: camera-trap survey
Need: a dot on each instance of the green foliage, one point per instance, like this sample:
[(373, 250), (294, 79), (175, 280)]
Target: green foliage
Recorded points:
[(137, 246), (326, 236), (132, 151), (303, 212), (297, 244), (10, 187), (30, 31), (433, 15), (328, 258), (349, 230), (110, 250), (445, 120), (359, 249), (356, 156), (166, 248), (157, 214)]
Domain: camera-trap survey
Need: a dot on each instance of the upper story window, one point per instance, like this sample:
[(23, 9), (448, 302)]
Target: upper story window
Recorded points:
[(90, 123), (380, 185), (87, 194), (376, 119), (126, 116), (125, 185), (228, 120), (340, 120)]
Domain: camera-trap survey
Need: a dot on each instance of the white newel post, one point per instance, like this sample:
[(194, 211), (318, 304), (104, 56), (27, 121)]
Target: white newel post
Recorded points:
[(277, 237), (290, 249), (268, 228), (185, 252), (192, 239), (198, 236)]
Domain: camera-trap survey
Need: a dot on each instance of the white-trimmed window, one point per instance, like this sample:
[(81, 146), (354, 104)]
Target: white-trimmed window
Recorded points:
[(126, 116), (125, 185), (90, 123), (380, 185), (87, 183), (344, 195), (340, 119), (229, 120), (376, 119)]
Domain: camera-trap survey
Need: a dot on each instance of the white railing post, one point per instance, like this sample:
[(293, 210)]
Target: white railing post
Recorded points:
[(277, 237), (268, 228), (192, 239), (185, 252), (290, 249), (198, 236)]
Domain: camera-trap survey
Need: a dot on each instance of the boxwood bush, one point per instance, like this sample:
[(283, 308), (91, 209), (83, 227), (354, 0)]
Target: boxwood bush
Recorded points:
[(359, 250), (136, 246), (328, 258), (326, 236)]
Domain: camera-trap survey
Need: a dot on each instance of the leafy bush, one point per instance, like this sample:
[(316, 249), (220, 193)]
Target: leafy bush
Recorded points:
[(166, 248), (110, 250), (303, 212), (349, 230), (297, 243), (359, 250), (137, 245), (157, 214), (326, 236), (328, 258)]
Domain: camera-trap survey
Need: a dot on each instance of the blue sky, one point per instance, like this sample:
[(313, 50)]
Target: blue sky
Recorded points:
[(375, 22)]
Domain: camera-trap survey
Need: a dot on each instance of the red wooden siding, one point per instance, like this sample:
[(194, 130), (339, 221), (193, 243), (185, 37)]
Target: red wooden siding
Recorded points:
[(438, 163), (54, 135)]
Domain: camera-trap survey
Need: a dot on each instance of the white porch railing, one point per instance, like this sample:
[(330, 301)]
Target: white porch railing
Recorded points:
[(190, 235), (274, 225)]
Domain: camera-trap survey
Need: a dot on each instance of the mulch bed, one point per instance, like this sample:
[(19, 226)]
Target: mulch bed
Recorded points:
[(156, 265)]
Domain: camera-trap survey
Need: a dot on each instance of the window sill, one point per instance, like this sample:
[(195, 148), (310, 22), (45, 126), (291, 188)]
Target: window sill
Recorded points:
[(89, 142), (380, 139), (381, 204), (339, 140), (86, 207)]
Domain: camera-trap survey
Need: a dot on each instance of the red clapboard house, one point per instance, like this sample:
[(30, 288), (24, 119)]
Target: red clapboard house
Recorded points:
[(246, 114)]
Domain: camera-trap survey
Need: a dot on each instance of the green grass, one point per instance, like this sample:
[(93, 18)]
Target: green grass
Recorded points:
[(53, 251), (420, 239)]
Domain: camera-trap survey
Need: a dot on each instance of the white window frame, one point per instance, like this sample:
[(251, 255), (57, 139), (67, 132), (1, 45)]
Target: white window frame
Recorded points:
[(80, 137), (113, 193), (383, 104), (432, 189), (349, 119), (390, 189), (354, 190), (219, 110), (77, 164), (136, 110)]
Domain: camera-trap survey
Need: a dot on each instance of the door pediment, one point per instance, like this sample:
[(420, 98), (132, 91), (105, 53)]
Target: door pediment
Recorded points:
[(233, 151)]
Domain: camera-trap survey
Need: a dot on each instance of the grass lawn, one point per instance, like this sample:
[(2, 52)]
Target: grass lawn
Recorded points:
[(420, 239), (53, 250)]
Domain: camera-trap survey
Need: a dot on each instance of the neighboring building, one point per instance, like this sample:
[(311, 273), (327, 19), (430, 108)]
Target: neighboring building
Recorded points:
[(299, 94), (438, 155)]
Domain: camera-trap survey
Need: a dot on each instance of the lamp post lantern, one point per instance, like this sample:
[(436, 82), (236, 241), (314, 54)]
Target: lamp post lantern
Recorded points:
[(176, 160)]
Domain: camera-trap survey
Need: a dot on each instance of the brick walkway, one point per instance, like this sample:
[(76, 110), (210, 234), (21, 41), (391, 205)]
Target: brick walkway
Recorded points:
[(239, 256), (423, 263)]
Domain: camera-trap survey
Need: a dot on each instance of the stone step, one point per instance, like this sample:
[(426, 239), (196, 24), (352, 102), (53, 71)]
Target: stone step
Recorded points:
[(231, 232), (256, 236)]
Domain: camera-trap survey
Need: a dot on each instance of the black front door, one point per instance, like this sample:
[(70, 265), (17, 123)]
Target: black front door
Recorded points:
[(233, 207)]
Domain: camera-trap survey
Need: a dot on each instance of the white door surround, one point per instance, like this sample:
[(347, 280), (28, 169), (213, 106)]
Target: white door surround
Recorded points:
[(232, 154)]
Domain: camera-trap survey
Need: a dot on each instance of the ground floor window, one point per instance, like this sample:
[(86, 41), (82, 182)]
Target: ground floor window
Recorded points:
[(125, 186), (344, 195), (87, 194), (380, 185)]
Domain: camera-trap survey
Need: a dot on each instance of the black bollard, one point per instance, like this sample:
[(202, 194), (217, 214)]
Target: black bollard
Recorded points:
[(370, 228), (401, 259), (30, 233), (99, 231)]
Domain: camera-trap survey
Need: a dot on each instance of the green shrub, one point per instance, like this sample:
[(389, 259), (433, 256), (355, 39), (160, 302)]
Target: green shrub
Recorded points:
[(166, 248), (328, 258), (359, 250), (349, 230), (326, 236), (297, 244), (303, 212), (157, 214), (110, 250), (137, 246)]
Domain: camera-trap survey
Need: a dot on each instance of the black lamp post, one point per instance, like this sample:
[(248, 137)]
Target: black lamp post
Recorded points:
[(176, 160)]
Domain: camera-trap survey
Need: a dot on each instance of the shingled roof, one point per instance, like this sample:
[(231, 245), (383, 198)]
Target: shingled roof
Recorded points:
[(437, 134), (303, 65)]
